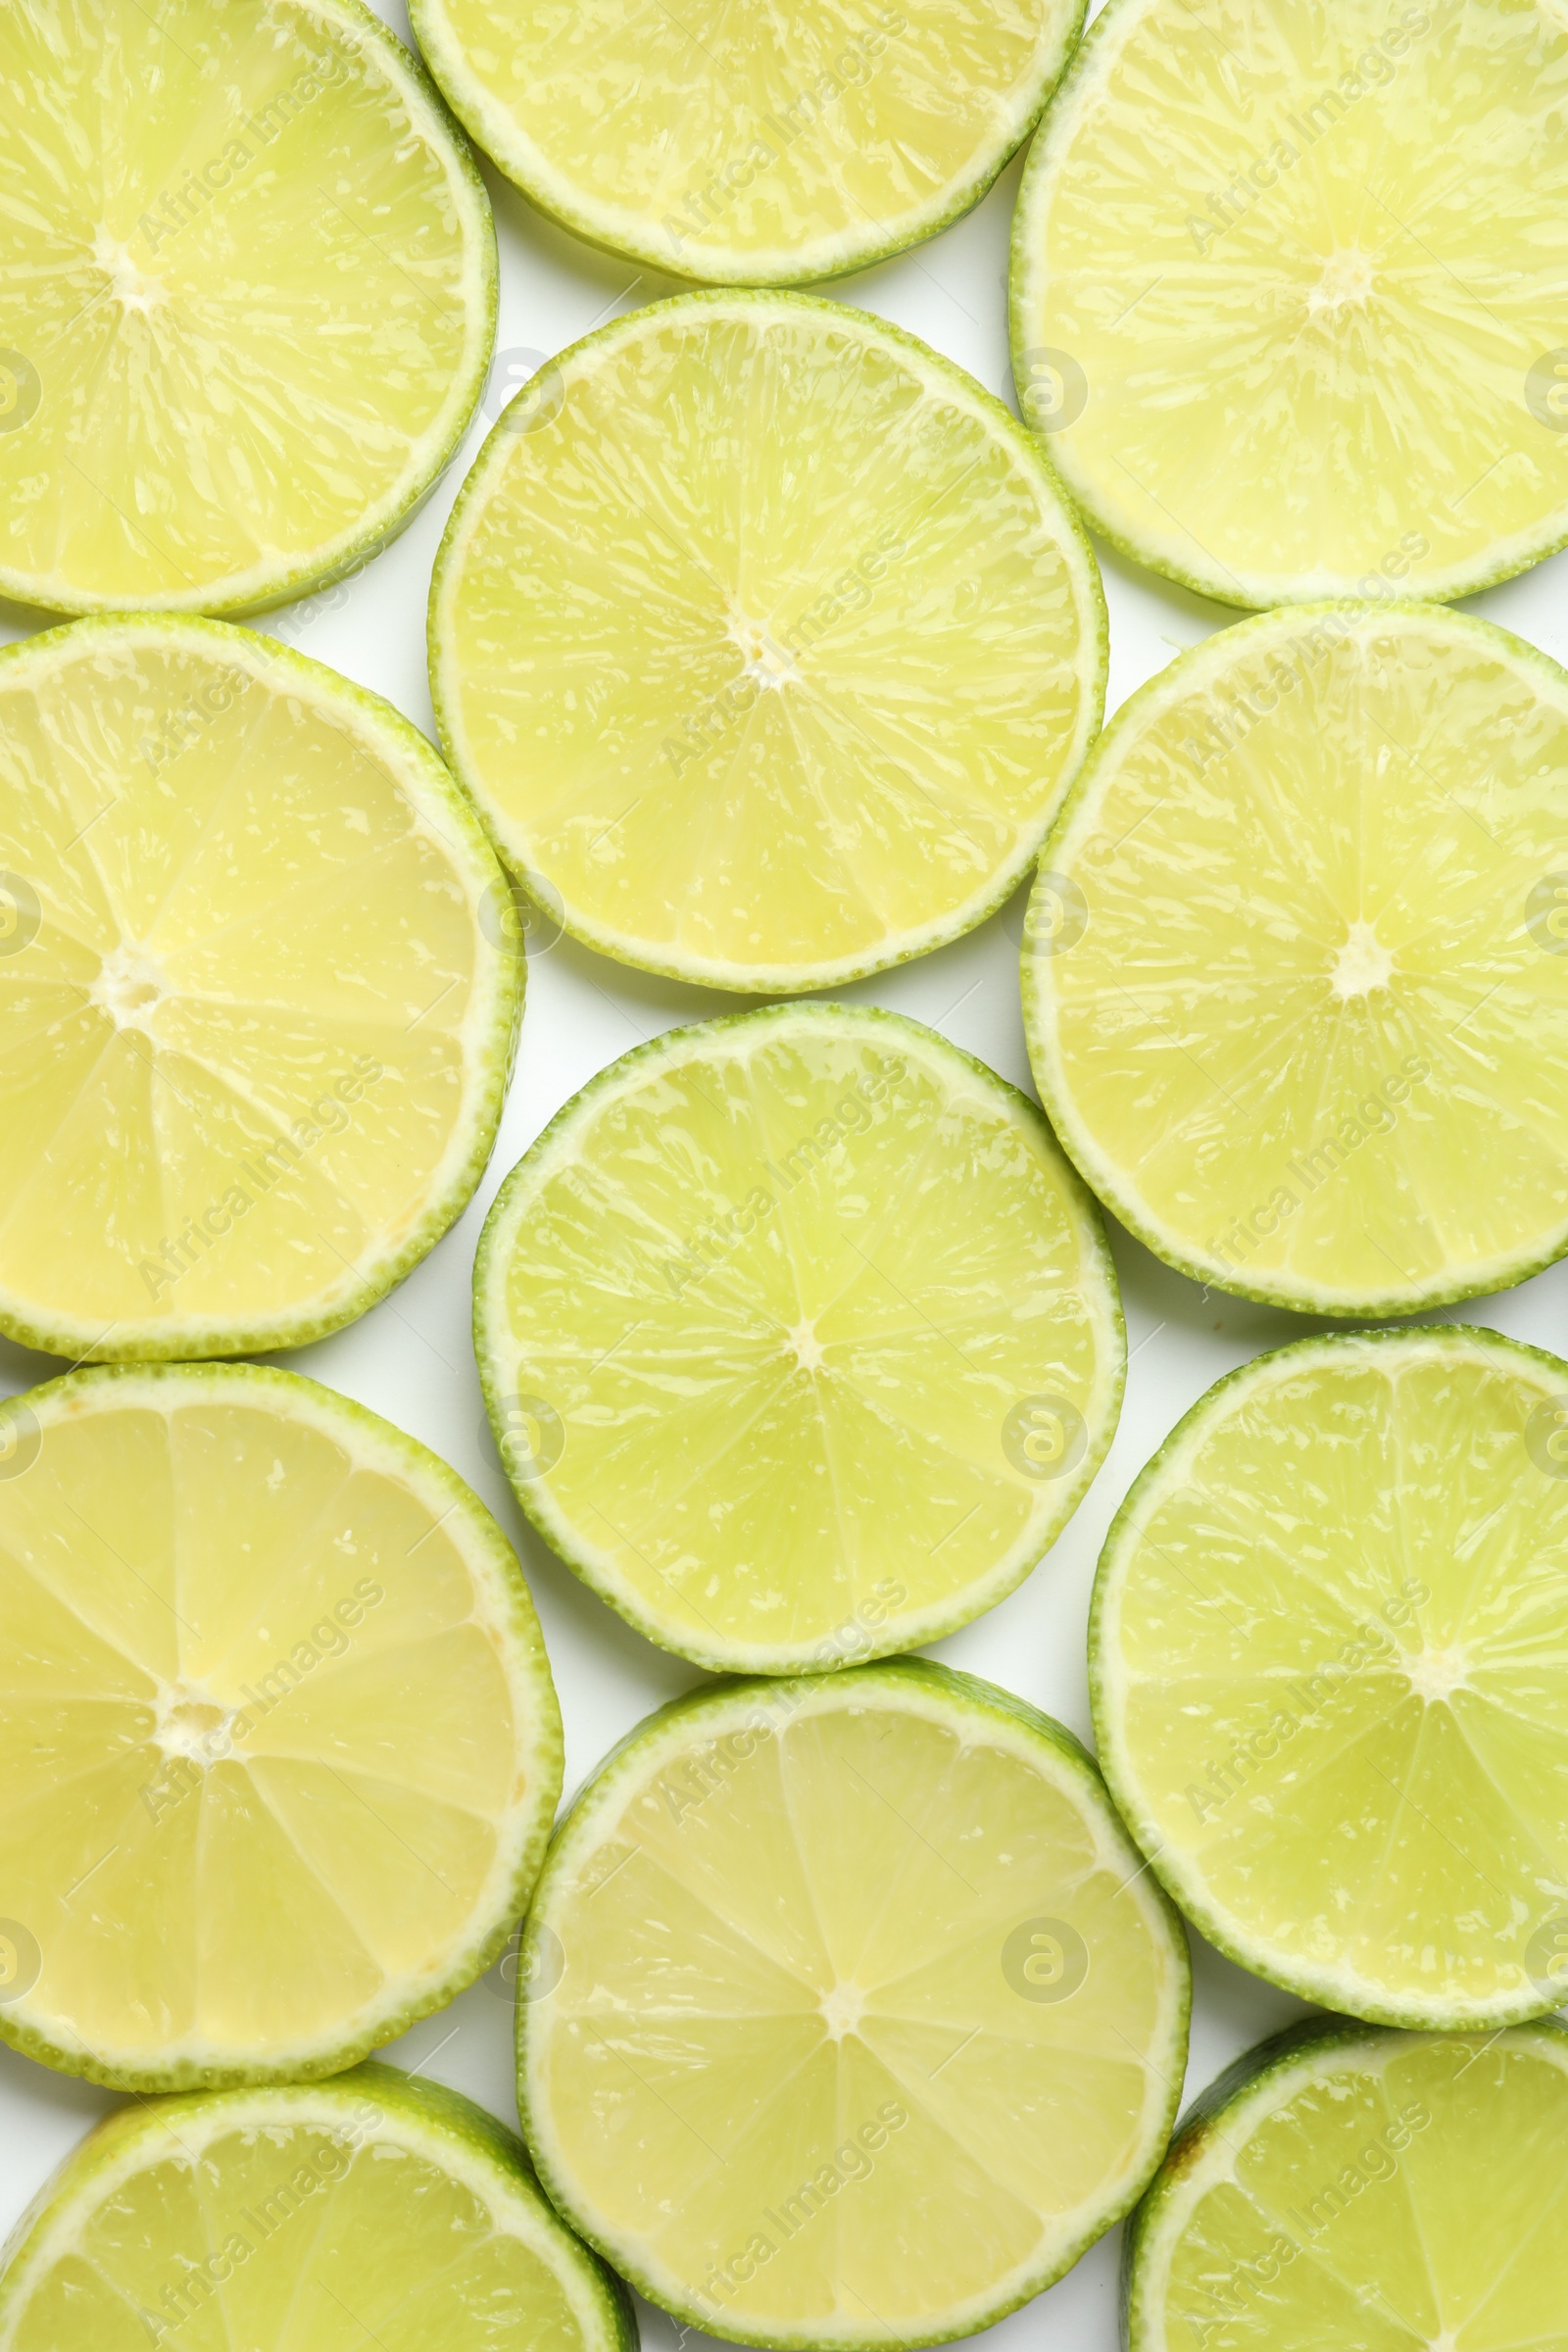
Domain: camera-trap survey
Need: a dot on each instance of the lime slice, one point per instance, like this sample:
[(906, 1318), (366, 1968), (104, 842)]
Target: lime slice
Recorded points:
[(260, 984), (1295, 970), (279, 1742), (1329, 1661), (1285, 298), (376, 2209), (800, 1339), (765, 641), (1355, 2191), (760, 148), (251, 293), (855, 2018)]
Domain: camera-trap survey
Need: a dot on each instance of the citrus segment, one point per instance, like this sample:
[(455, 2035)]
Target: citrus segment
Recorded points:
[(280, 1742), (1293, 976), (799, 1339), (861, 2021), (763, 149), (1283, 295), (260, 981), (252, 297), (764, 641), (1351, 2191), (376, 2208), (1328, 1665)]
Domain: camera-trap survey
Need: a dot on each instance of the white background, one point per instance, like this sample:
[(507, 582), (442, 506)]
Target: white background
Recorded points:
[(410, 1357)]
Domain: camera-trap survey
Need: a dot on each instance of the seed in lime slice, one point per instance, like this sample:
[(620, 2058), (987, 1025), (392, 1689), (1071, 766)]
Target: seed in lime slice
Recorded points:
[(800, 1339), (250, 294), (1285, 301), (1328, 1660), (759, 148), (866, 2020), (260, 984), (765, 641), (1295, 973), (375, 2210), (1341, 2190), (279, 1743)]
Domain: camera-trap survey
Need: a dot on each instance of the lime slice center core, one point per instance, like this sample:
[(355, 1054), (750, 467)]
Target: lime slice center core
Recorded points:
[(1363, 965)]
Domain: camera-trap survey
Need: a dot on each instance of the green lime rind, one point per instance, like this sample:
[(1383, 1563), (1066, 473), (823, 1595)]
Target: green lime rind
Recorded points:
[(1222, 2112), (375, 2100), (1105, 1181), (487, 124), (567, 1540), (1024, 299), (352, 549), (491, 1559), (954, 1694), (1328, 1987), (1077, 553), (495, 1024)]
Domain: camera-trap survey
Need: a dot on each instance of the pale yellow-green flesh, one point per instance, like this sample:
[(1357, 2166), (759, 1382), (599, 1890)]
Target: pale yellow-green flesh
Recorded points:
[(324, 2235), (768, 646), (1332, 1662), (246, 983), (1424, 2193), (1313, 1041), (863, 1866), (187, 1562), (804, 1444), (1328, 385), (761, 145), (227, 405)]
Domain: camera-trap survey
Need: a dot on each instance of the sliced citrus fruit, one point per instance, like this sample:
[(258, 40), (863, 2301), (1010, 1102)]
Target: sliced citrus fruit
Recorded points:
[(1329, 1661), (280, 1745), (762, 149), (250, 297), (855, 2020), (1341, 2190), (1283, 295), (800, 1339), (260, 984), (377, 2210), (1295, 968), (764, 641)]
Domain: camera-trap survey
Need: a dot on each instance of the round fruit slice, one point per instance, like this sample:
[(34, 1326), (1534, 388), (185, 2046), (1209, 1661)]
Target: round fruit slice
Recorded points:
[(1346, 2191), (765, 641), (855, 2019), (1295, 968), (279, 1743), (375, 2210), (260, 985), (1284, 294), (252, 292), (799, 1339), (762, 148), (1329, 1661)]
